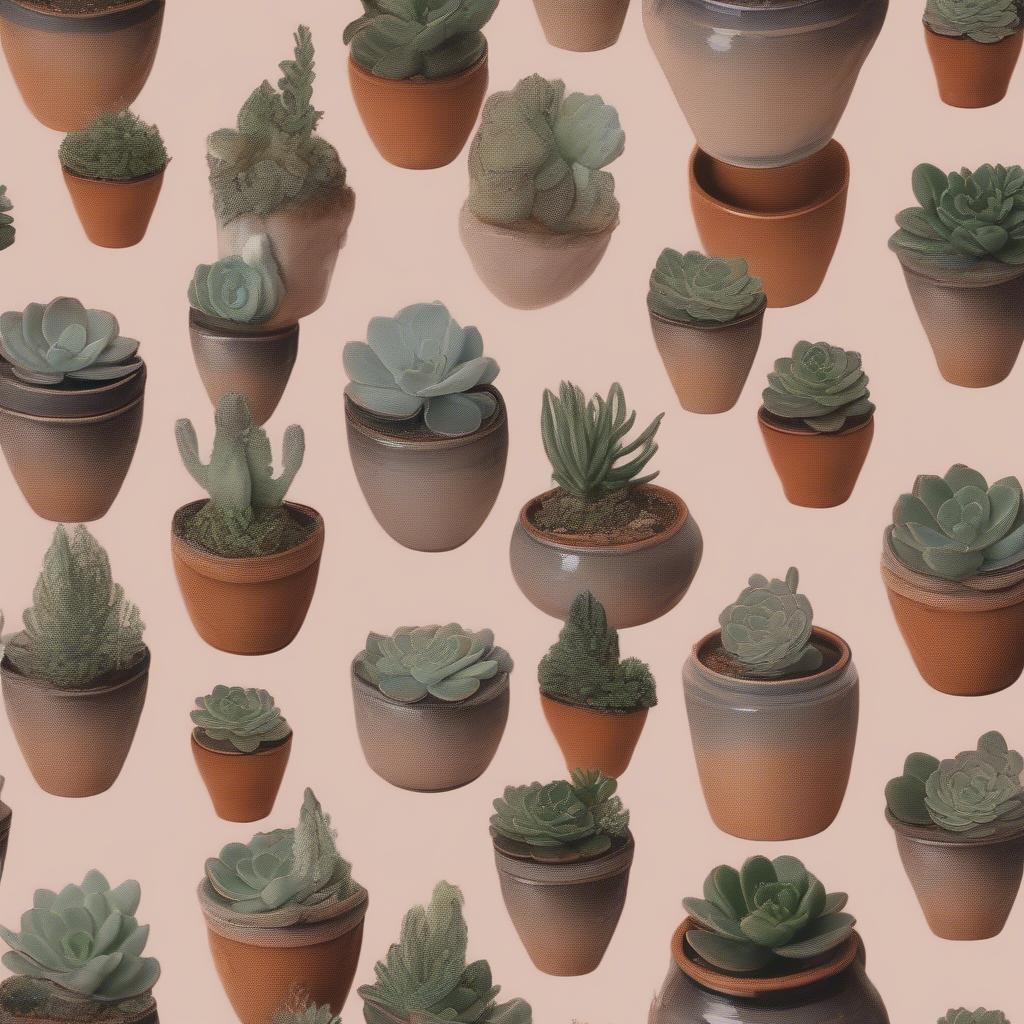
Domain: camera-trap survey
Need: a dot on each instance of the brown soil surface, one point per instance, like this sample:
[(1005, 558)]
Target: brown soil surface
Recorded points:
[(623, 517), (716, 658)]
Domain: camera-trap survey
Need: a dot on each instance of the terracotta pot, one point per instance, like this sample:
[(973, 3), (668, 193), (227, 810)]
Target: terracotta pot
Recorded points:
[(419, 123), (6, 814), (75, 742), (114, 214), (972, 74), (69, 447), (582, 25), (773, 755), (785, 222), (594, 737), (25, 1000), (248, 605), (71, 67), (817, 470), (636, 583), (430, 746), (528, 266), (429, 493), (708, 363), (243, 787), (566, 913), (253, 362)]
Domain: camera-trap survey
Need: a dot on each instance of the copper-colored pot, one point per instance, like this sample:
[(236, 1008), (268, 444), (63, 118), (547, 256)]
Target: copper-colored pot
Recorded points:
[(582, 26), (242, 786), (972, 74), (114, 214), (594, 737)]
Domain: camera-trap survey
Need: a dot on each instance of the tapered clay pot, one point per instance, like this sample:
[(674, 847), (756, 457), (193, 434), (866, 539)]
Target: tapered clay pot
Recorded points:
[(784, 221), (69, 67), (817, 470), (6, 814), (69, 446), (594, 737), (75, 742), (25, 1000), (114, 214), (248, 605), (582, 25), (773, 755), (433, 745), (566, 913), (419, 123), (972, 74), (242, 786)]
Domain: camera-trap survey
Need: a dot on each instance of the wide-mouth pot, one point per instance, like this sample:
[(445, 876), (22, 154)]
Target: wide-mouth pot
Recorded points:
[(70, 399)]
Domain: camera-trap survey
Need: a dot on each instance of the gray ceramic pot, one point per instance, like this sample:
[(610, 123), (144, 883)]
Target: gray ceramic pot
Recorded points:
[(33, 1001)]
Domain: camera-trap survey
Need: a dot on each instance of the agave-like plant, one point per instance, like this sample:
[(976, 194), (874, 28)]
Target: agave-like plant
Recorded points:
[(694, 288), (7, 229), (984, 21), (301, 1010), (244, 717), (978, 1016), (245, 289)]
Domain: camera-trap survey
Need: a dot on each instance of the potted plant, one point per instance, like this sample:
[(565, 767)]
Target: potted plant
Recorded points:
[(595, 703), (427, 429), (953, 566), (78, 957), (113, 169), (246, 560), (443, 986), (541, 209), (431, 704), (706, 316), (604, 528), (582, 25), (71, 396), (772, 702), (563, 852), (75, 678), (241, 744), (979, 1016), (282, 911), (7, 228), (419, 75), (817, 421), (962, 253), (6, 814), (959, 828), (299, 1010)]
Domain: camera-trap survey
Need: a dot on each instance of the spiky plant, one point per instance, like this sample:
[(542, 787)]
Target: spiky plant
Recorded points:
[(114, 147)]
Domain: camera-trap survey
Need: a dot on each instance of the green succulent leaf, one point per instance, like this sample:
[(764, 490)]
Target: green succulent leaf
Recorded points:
[(114, 147), (978, 1016), (694, 288), (7, 229), (245, 289), (244, 718), (984, 21)]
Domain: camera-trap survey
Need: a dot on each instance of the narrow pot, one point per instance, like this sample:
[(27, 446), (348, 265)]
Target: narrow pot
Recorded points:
[(75, 742), (972, 74), (419, 123), (594, 737), (773, 755), (431, 746), (114, 214), (69, 447), (528, 266), (566, 913), (25, 1000), (248, 605), (785, 222), (243, 787), (817, 470), (582, 25), (71, 67), (429, 493), (6, 814)]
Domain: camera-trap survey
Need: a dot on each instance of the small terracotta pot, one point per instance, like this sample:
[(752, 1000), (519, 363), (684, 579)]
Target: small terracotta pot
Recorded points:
[(784, 221), (566, 913), (20, 997), (582, 25), (817, 470), (248, 605), (429, 493), (6, 814), (75, 742), (243, 787), (594, 737), (114, 214), (708, 363), (419, 123), (972, 74)]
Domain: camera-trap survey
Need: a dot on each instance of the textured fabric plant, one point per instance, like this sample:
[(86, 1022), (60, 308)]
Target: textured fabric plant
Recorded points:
[(114, 147), (766, 915), (246, 289), (694, 288), (301, 1010), (984, 21), (978, 1016), (7, 229), (538, 155), (244, 718)]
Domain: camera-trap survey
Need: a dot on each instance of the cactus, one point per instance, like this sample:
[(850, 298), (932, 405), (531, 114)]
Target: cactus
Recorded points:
[(243, 718), (7, 229), (978, 1016), (245, 289), (984, 21), (694, 288), (114, 147)]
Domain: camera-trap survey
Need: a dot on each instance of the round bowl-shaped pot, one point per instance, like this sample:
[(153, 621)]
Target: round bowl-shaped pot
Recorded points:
[(25, 1000), (636, 583), (75, 742), (114, 214), (419, 123), (529, 266), (817, 470), (773, 755), (566, 913), (243, 787), (785, 222), (71, 67), (431, 746), (582, 25), (248, 605), (69, 446), (972, 74), (429, 493), (594, 737), (735, 64), (6, 814), (254, 362)]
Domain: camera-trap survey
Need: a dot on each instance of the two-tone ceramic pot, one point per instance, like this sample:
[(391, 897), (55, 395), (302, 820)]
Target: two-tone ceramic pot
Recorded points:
[(243, 785)]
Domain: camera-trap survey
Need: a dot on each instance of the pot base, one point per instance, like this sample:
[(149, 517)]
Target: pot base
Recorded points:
[(971, 74)]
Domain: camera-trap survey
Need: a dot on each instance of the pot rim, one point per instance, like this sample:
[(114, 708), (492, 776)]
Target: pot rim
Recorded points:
[(126, 10), (845, 432), (422, 82), (964, 278), (498, 688), (933, 835), (68, 173), (712, 325), (610, 712), (561, 873), (84, 404), (539, 231), (286, 742), (119, 679), (230, 330), (967, 39)]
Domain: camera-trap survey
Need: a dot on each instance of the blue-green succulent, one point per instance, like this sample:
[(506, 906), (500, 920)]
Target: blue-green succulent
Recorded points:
[(694, 288), (244, 289), (984, 21)]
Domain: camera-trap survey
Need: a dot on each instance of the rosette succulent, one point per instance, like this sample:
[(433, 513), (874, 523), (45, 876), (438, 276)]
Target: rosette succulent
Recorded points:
[(984, 21), (245, 289), (301, 1010), (694, 288), (245, 718), (978, 1016), (114, 147), (7, 229)]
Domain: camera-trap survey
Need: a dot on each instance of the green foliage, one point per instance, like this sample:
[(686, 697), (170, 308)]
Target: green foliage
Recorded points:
[(978, 1016), (694, 288), (114, 147), (245, 289), (7, 229), (245, 718), (984, 21), (301, 1010)]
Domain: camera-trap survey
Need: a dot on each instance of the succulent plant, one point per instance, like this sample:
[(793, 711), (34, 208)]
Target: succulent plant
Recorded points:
[(694, 288), (821, 385), (244, 718), (421, 362), (114, 147), (45, 344), (984, 21), (86, 940), (538, 155), (765, 916), (956, 526), (301, 1010), (7, 229), (978, 1016), (245, 289)]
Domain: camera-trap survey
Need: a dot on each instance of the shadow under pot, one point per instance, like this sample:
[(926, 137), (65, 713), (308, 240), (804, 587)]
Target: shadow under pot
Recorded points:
[(601, 738), (248, 605), (75, 742), (243, 786), (972, 74), (428, 492), (114, 214), (69, 445), (582, 26)]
